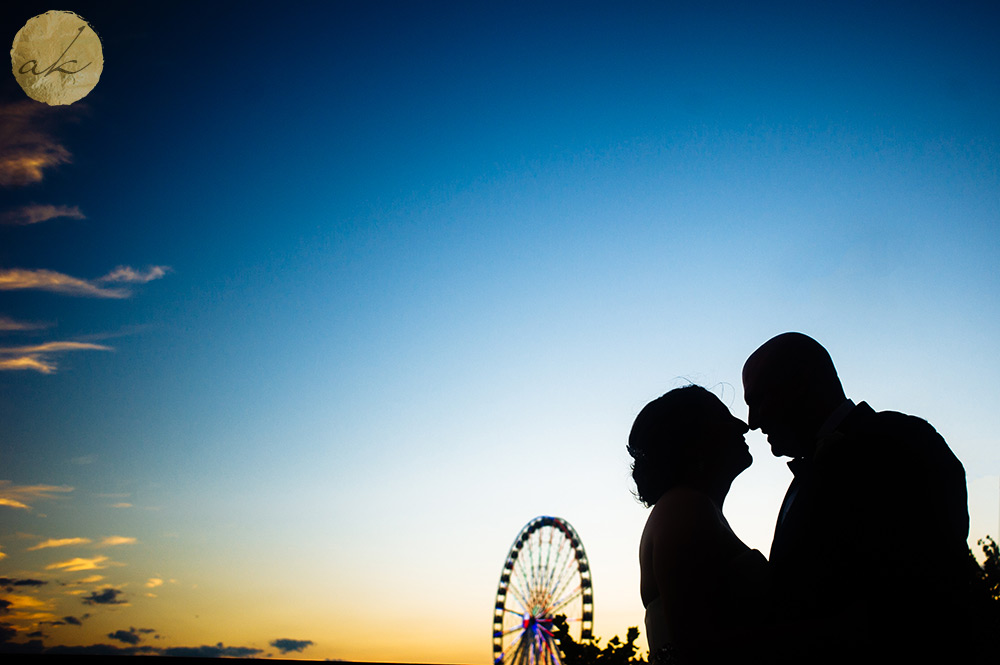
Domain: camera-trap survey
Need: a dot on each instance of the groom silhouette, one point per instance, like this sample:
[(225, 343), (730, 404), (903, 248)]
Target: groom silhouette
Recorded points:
[(869, 555)]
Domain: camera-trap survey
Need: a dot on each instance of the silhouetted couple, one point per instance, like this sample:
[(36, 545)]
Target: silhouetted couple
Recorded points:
[(869, 559)]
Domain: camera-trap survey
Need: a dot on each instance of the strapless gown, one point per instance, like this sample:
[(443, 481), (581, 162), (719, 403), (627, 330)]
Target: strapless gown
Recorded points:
[(742, 597)]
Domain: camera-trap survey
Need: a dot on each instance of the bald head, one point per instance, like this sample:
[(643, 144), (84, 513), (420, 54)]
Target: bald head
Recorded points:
[(791, 387)]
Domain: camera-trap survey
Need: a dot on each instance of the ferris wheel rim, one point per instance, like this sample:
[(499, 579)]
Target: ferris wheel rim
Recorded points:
[(539, 617)]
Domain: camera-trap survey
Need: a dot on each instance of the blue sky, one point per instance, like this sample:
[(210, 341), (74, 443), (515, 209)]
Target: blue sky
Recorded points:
[(401, 275)]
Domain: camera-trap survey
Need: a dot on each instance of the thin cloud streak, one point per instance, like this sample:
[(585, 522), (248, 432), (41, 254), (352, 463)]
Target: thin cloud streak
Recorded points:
[(8, 324), (27, 147), (59, 542), (51, 347), (15, 279), (90, 579), (37, 213), (27, 362), (36, 358), (78, 564), (18, 496), (118, 540), (129, 275)]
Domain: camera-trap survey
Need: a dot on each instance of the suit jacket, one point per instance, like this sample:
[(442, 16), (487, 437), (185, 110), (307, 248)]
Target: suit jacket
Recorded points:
[(873, 543)]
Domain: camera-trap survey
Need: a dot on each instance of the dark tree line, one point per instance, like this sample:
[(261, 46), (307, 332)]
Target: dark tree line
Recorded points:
[(590, 652), (986, 588)]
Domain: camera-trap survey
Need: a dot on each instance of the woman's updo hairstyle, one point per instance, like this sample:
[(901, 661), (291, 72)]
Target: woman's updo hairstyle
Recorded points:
[(664, 440)]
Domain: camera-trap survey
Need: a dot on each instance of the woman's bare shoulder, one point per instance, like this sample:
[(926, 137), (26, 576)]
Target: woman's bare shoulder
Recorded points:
[(683, 506), (683, 519)]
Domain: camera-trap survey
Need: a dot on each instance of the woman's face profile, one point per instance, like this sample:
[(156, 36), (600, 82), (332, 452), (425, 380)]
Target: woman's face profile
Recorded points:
[(724, 445)]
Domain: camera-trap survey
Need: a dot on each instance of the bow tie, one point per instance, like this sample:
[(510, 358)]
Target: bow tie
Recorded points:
[(800, 466)]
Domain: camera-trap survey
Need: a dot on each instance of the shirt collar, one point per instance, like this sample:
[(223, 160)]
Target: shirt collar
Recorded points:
[(834, 419)]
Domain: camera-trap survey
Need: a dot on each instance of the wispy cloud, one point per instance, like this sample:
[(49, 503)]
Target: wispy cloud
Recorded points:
[(288, 646), (89, 579), (107, 596), (118, 540), (36, 213), (129, 275), (38, 357), (59, 542), (8, 324), (218, 651), (20, 279), (154, 582), (129, 636), (25, 602), (8, 583), (27, 146), (51, 347), (16, 279), (202, 652), (121, 505), (18, 496), (13, 364), (78, 564)]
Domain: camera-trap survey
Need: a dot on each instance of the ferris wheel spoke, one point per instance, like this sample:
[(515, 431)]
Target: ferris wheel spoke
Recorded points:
[(513, 630), (564, 581), (523, 594), (540, 643), (528, 557), (519, 595), (566, 590), (546, 646), (566, 601), (536, 567), (560, 568), (570, 572), (544, 554), (527, 586), (516, 646), (525, 652), (548, 550), (524, 575), (514, 612), (551, 650)]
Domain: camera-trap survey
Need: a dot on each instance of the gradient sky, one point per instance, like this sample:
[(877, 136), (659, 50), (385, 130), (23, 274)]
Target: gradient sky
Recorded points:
[(304, 313)]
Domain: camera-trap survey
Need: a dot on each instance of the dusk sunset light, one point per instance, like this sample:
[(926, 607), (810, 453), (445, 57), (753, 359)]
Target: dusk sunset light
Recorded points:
[(308, 309)]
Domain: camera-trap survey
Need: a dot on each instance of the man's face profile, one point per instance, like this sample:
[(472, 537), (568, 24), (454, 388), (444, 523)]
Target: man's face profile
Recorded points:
[(773, 410)]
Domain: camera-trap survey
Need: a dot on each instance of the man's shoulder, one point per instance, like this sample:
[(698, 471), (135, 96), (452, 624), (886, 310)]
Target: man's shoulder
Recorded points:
[(900, 437), (865, 421)]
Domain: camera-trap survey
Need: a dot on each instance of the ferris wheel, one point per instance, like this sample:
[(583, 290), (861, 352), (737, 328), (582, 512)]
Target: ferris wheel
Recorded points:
[(546, 574)]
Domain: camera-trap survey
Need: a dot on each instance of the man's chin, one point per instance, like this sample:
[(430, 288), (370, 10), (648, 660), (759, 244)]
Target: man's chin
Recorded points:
[(778, 450)]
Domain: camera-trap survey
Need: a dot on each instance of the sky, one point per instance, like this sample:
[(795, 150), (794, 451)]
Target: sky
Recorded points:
[(305, 312)]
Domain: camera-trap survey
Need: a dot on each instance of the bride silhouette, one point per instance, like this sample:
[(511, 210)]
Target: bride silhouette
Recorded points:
[(702, 587)]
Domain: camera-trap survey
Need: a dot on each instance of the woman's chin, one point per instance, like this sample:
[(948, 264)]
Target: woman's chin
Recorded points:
[(745, 461)]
